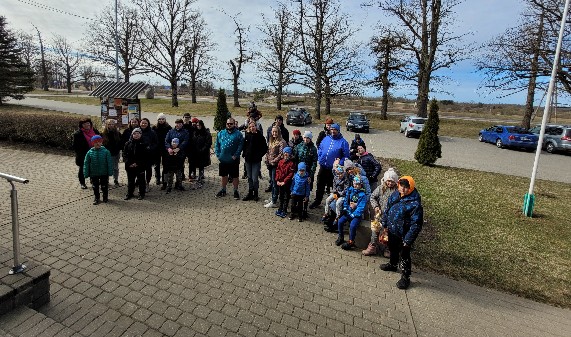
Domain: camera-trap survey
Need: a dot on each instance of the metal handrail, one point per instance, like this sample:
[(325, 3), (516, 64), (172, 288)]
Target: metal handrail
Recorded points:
[(18, 267)]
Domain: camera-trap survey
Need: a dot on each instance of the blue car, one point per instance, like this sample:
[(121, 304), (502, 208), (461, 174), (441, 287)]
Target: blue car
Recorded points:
[(509, 136)]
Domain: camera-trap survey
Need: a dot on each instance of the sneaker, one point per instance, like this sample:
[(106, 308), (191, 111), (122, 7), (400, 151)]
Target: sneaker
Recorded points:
[(236, 195), (388, 267), (270, 204), (371, 250), (278, 213), (292, 216), (83, 187), (348, 245), (404, 282), (221, 193), (96, 202), (283, 214), (140, 197), (300, 220), (339, 241)]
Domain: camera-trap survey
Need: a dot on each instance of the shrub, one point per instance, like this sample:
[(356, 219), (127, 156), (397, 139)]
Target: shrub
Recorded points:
[(429, 148), (222, 112), (45, 128)]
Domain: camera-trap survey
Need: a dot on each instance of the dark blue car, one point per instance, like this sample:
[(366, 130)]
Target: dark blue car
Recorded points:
[(509, 136)]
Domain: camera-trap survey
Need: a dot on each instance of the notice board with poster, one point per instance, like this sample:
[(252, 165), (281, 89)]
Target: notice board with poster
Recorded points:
[(120, 109)]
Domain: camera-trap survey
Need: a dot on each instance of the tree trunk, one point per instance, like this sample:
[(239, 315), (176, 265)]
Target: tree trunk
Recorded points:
[(236, 102), (534, 68), (318, 95), (279, 91), (174, 91), (68, 80), (193, 87), (422, 96), (126, 75), (327, 94)]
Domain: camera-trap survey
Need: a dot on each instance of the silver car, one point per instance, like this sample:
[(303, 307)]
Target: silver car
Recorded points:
[(412, 125), (557, 137)]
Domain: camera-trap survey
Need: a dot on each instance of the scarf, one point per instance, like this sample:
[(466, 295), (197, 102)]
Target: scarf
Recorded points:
[(88, 134)]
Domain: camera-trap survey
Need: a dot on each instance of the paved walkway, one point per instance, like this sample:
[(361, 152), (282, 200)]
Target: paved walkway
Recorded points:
[(187, 264)]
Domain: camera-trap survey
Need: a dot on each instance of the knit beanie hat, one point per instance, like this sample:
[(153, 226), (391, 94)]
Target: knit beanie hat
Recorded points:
[(391, 175), (410, 182), (301, 166), (297, 132), (357, 180), (287, 150), (308, 134), (329, 120), (175, 141), (348, 164), (194, 120), (335, 126), (96, 138), (137, 130), (161, 115)]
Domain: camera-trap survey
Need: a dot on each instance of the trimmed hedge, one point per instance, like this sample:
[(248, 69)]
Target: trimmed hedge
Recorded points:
[(44, 127)]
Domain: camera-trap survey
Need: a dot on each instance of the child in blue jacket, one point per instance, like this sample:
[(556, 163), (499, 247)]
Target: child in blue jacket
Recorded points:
[(354, 207), (300, 189)]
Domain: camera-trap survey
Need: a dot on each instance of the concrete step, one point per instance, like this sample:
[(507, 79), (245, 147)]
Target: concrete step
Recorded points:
[(24, 321)]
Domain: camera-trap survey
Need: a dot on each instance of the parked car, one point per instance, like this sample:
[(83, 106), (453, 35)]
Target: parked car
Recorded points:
[(357, 122), (556, 138), (509, 136), (412, 125), (298, 116)]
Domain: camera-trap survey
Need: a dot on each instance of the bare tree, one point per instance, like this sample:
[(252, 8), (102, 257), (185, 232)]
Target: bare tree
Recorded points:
[(279, 42), (166, 26), (43, 63), (89, 74), (68, 58), (27, 46), (390, 63), (198, 60), (100, 39), (430, 40), (243, 57)]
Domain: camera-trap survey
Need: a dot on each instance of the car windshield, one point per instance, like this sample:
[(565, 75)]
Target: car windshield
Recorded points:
[(417, 121), (519, 130), (358, 117), (296, 112)]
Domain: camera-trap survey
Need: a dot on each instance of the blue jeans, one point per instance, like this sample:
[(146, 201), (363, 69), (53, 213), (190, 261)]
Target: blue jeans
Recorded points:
[(253, 171), (273, 183), (352, 227)]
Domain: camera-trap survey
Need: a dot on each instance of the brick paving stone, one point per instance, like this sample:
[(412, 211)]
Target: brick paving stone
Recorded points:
[(201, 326), (169, 328), (155, 321)]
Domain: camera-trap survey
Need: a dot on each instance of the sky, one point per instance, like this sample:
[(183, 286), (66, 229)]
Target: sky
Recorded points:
[(480, 19)]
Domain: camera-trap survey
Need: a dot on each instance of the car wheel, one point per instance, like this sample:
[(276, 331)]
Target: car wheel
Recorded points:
[(406, 134), (499, 143), (549, 147), (481, 138)]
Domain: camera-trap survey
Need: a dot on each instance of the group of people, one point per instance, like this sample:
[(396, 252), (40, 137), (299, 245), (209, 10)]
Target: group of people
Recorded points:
[(347, 176)]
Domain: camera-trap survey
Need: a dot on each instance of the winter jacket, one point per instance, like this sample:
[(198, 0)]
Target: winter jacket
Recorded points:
[(182, 136), (161, 131), (364, 181), (353, 148), (380, 196), (173, 162), (357, 196), (340, 184), (371, 166), (293, 143), (201, 144), (322, 134), (332, 148), (283, 130), (98, 163), (150, 137), (300, 185), (126, 135), (255, 147), (136, 152), (306, 153), (112, 141), (285, 171), (404, 216), (81, 146), (228, 145), (274, 154)]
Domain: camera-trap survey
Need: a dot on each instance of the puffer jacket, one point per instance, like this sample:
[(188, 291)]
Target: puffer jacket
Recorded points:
[(306, 153), (300, 185), (357, 196), (364, 180), (285, 171), (340, 183), (332, 148), (161, 130), (404, 216), (371, 166), (98, 163), (380, 196), (182, 135), (173, 162)]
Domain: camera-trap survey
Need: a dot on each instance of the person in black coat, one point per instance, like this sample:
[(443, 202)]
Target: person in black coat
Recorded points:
[(135, 157), (126, 135), (161, 129), (255, 147), (82, 144), (201, 144), (149, 137), (112, 142)]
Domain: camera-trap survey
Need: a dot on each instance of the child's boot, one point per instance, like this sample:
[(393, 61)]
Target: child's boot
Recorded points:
[(371, 250)]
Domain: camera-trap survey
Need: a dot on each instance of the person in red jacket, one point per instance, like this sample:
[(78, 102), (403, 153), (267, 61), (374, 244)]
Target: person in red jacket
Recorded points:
[(284, 176)]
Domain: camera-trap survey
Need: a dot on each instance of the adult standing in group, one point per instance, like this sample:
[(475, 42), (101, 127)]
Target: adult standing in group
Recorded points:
[(371, 165), (81, 145), (306, 152), (150, 138), (229, 144), (325, 132), (278, 122), (161, 129), (331, 148), (187, 125), (135, 156), (255, 148), (201, 143), (182, 134), (126, 135), (112, 142), (276, 145)]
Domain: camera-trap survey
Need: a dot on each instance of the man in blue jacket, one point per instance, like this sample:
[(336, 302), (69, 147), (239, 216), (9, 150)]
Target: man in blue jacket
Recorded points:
[(332, 147), (229, 143), (403, 217)]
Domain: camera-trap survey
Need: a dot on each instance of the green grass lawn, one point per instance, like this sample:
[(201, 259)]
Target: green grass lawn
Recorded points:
[(476, 231)]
